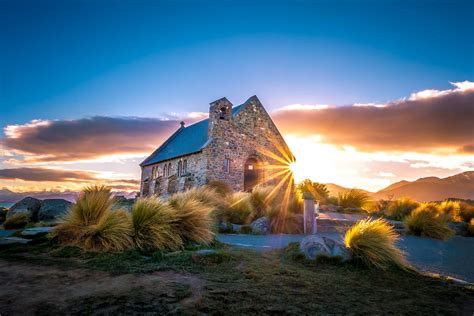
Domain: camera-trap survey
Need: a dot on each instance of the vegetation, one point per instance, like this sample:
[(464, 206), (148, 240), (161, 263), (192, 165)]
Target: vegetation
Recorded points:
[(428, 221), (16, 221), (466, 212), (222, 188), (237, 208), (295, 205), (317, 191), (153, 225), (193, 218), (353, 199), (3, 214), (470, 228), (401, 207), (373, 243), (451, 209)]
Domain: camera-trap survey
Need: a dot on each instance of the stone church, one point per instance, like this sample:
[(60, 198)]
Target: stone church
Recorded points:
[(239, 145)]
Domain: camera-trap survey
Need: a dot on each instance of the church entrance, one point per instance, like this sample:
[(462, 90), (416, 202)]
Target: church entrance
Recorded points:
[(253, 173)]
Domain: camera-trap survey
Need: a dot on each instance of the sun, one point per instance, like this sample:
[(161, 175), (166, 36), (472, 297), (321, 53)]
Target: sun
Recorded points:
[(292, 167)]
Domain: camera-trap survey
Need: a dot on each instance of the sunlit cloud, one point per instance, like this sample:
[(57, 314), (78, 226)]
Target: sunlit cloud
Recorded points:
[(304, 107)]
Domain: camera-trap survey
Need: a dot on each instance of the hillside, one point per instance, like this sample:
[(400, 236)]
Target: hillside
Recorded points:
[(335, 189)]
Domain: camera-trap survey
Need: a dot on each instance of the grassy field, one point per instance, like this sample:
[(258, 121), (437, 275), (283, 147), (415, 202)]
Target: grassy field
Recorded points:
[(46, 278)]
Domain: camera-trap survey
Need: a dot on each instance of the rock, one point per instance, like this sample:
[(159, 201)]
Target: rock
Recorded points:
[(314, 246), (34, 231), (261, 226), (236, 227), (52, 209), (29, 206), (460, 228), (3, 214)]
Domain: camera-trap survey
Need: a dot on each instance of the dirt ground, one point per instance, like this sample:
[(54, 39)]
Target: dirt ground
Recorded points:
[(28, 289)]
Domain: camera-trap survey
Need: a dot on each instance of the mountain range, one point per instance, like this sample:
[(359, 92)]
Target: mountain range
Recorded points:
[(424, 189)]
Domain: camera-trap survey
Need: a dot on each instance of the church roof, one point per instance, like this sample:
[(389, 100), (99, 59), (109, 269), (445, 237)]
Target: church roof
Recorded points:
[(186, 140)]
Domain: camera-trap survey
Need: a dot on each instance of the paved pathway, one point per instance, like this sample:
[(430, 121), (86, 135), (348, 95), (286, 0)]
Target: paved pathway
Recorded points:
[(454, 257)]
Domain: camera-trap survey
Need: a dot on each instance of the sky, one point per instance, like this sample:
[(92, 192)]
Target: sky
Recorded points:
[(366, 93)]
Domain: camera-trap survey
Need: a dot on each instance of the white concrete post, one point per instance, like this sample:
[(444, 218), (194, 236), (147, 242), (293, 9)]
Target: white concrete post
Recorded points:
[(308, 213)]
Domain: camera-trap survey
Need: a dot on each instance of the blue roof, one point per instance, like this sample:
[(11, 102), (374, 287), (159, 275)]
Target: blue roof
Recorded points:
[(185, 141)]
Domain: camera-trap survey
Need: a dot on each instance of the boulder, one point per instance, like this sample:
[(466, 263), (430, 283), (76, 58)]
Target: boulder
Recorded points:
[(29, 206), (261, 226), (314, 246), (52, 209), (460, 228), (3, 214)]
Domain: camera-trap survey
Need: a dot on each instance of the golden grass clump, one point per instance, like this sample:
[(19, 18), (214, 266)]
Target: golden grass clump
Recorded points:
[(353, 199), (373, 243), (401, 207), (260, 200), (466, 212), (451, 209), (153, 225), (428, 221), (193, 219), (470, 228), (112, 233), (222, 188), (237, 208), (91, 223), (206, 195), (16, 221)]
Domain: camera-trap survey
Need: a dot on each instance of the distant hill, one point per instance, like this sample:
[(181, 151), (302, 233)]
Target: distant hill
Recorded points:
[(7, 196), (335, 189), (432, 188), (424, 189)]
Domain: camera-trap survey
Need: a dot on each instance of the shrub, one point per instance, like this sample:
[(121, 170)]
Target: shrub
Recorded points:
[(317, 190), (451, 209), (282, 221), (373, 243), (3, 214), (466, 212), (401, 207), (204, 194), (16, 221), (91, 223), (193, 219), (112, 233), (237, 209), (220, 187), (260, 200), (296, 204), (353, 199), (427, 220), (470, 228), (153, 225)]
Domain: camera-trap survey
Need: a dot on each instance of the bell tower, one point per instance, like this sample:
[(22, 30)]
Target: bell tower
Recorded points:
[(220, 112)]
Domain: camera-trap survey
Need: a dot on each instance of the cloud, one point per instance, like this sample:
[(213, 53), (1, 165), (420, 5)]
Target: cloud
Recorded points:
[(440, 123), (86, 139), (45, 174)]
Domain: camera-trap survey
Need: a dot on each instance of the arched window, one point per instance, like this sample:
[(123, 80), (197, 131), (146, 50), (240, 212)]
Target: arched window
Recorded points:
[(169, 169), (185, 166), (180, 165), (164, 170), (227, 165)]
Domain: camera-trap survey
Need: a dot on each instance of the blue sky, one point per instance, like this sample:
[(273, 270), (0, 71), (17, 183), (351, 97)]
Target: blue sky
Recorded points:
[(66, 62), (69, 59)]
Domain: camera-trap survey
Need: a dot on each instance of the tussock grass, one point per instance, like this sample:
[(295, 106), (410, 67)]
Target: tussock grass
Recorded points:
[(428, 221), (91, 224), (470, 228), (193, 219), (260, 200), (373, 243), (16, 221), (353, 199), (401, 207), (153, 225), (466, 212), (451, 209), (222, 188), (237, 208), (206, 195), (295, 205)]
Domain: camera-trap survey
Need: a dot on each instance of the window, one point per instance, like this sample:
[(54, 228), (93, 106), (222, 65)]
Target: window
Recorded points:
[(180, 165), (164, 171), (169, 169), (226, 165), (185, 166), (250, 167), (222, 114)]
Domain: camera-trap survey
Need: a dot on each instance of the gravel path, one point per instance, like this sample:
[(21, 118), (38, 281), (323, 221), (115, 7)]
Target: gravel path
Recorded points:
[(454, 257)]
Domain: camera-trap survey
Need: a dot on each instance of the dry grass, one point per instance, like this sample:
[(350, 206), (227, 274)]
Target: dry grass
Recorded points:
[(470, 228), (296, 204), (91, 223), (466, 212), (373, 242), (153, 225), (237, 208), (402, 207), (193, 219), (16, 221), (260, 200), (222, 188), (206, 195), (451, 209), (428, 221), (353, 199)]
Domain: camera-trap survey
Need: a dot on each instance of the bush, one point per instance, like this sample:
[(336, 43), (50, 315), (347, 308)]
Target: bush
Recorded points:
[(353, 199), (373, 243), (237, 209), (466, 212), (470, 228), (204, 194), (16, 221), (401, 207), (428, 221), (3, 214), (296, 205), (222, 188), (282, 221), (317, 191), (153, 225), (193, 219), (91, 223)]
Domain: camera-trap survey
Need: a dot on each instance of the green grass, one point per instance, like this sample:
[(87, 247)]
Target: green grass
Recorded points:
[(237, 282), (428, 220)]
